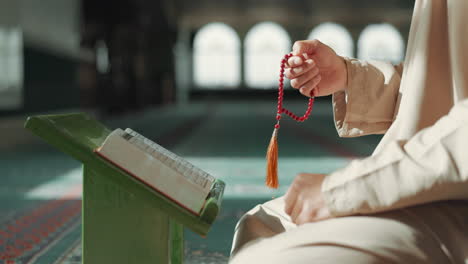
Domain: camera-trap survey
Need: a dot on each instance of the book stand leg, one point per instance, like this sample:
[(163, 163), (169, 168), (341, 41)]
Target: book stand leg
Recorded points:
[(120, 228)]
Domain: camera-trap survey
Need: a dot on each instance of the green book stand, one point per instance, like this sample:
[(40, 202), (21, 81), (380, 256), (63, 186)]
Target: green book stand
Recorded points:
[(124, 221)]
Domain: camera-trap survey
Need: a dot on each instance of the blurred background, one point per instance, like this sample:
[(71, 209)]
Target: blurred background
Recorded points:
[(197, 76)]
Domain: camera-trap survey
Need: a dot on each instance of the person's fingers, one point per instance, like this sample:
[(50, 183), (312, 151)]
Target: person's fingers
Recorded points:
[(296, 211), (295, 61), (301, 80), (295, 72), (305, 216), (308, 87), (315, 91), (305, 46), (290, 199)]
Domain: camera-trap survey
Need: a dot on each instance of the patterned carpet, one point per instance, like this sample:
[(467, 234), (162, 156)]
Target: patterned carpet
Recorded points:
[(40, 191)]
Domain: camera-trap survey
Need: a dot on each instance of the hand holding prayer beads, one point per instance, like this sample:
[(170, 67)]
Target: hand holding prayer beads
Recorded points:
[(315, 69), (272, 152), (311, 63)]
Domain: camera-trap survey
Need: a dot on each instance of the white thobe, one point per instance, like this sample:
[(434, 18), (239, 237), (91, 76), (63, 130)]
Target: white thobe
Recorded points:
[(408, 202)]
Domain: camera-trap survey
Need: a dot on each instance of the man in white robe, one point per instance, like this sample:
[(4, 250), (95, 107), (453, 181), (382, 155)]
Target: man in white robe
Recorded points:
[(408, 202)]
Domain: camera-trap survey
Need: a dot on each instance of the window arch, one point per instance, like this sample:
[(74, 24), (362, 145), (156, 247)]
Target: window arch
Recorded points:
[(216, 56), (265, 44), (336, 36), (381, 42)]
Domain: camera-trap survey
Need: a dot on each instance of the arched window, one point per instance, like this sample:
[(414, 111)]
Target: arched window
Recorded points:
[(381, 42), (336, 36), (216, 57), (265, 45), (11, 68)]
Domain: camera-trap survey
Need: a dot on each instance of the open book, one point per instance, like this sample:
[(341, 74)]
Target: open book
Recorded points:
[(158, 168)]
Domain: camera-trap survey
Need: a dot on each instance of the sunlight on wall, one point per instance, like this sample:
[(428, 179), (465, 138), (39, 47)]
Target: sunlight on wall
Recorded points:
[(11, 68), (102, 57), (265, 45), (336, 36), (216, 57), (381, 42)]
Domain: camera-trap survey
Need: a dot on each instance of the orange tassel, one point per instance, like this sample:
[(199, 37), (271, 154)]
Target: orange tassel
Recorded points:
[(272, 162)]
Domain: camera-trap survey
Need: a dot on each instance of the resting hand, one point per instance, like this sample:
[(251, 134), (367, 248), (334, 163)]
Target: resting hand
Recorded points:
[(304, 201), (315, 69)]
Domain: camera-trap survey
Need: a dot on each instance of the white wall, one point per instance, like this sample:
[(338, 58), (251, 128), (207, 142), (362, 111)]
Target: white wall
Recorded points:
[(11, 56), (9, 12), (48, 25), (51, 25)]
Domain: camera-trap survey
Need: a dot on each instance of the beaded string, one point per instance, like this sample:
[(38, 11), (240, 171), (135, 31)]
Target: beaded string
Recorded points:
[(281, 109), (272, 152)]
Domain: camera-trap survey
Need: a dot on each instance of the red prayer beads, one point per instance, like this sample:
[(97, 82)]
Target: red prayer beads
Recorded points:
[(281, 109)]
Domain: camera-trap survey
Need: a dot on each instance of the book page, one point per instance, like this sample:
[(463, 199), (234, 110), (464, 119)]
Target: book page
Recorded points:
[(182, 166)]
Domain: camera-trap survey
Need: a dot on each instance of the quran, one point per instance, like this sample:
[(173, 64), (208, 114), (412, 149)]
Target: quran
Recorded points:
[(158, 168)]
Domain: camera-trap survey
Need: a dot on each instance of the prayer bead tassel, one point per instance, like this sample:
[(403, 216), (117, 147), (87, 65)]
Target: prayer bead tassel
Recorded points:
[(272, 161), (272, 152)]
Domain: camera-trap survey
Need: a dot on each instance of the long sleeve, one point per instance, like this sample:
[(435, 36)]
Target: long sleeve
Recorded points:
[(370, 102), (430, 166)]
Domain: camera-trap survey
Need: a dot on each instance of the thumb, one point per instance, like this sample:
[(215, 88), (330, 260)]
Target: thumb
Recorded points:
[(305, 46)]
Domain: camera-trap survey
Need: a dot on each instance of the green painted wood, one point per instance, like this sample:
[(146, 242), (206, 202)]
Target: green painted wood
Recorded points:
[(177, 243), (213, 203), (118, 210), (118, 226)]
